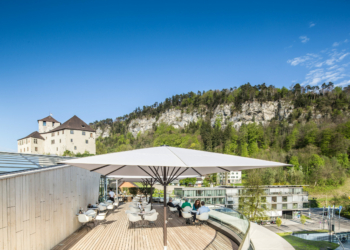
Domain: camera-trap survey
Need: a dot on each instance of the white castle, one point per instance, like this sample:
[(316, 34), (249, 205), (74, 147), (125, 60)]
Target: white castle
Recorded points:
[(55, 138)]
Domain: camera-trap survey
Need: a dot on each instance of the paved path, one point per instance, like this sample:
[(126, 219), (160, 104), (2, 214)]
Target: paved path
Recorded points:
[(264, 239)]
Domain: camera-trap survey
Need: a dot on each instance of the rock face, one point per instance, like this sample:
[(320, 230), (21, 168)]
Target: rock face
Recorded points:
[(251, 111), (103, 133)]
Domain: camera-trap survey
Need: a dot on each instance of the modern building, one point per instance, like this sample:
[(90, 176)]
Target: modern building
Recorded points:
[(55, 138), (233, 177), (280, 200)]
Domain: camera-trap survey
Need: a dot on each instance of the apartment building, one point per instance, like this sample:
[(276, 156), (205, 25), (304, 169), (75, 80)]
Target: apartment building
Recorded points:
[(280, 200)]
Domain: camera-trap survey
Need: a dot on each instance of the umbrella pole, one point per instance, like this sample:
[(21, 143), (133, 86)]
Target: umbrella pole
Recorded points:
[(164, 227)]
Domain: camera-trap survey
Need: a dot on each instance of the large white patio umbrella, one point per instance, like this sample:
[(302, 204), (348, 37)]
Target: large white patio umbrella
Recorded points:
[(166, 164)]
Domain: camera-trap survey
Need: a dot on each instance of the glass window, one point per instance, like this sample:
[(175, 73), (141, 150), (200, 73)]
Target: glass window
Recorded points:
[(75, 147), (52, 141), (72, 131), (35, 141), (90, 134), (284, 198), (62, 132), (36, 148), (274, 206), (71, 140), (52, 134), (274, 198), (284, 206), (44, 123), (58, 133), (60, 140), (305, 205), (295, 205), (263, 199), (83, 133), (53, 124)]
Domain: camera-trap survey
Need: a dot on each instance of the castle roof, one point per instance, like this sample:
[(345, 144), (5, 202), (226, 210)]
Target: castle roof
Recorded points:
[(49, 119), (74, 123), (35, 134)]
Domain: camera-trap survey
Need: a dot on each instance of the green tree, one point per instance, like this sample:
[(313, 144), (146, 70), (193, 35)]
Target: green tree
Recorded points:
[(303, 219), (253, 207), (294, 161), (278, 222), (188, 181)]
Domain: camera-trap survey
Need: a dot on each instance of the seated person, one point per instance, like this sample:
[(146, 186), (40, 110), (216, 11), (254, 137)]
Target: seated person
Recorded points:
[(185, 204), (203, 209), (196, 206), (171, 204)]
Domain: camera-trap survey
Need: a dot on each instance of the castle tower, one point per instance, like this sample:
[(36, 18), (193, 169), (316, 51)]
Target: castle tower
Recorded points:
[(48, 123)]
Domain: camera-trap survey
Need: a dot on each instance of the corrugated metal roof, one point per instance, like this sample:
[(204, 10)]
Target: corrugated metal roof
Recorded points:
[(10, 162)]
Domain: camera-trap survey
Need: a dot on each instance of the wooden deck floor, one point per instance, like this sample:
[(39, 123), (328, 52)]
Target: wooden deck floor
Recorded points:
[(116, 233)]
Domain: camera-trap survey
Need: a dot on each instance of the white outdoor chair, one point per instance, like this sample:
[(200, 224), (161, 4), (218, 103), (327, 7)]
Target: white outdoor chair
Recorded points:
[(116, 204), (128, 211), (134, 218), (186, 209), (110, 205), (134, 210), (147, 209), (101, 216), (202, 218), (151, 218), (102, 207), (173, 210), (153, 211), (187, 216)]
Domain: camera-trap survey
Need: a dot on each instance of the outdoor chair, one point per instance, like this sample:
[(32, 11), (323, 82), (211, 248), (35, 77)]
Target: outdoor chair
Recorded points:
[(202, 218), (151, 218), (134, 219), (186, 209), (102, 207), (134, 210), (84, 220), (147, 209), (187, 216), (101, 216)]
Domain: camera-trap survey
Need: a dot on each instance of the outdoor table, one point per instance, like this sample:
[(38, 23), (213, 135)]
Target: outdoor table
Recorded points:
[(142, 214)]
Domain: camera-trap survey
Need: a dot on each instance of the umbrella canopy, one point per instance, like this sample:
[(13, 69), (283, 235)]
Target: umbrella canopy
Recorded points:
[(166, 164), (148, 161)]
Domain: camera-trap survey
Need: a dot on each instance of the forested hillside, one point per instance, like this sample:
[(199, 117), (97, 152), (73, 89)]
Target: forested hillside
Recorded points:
[(317, 145)]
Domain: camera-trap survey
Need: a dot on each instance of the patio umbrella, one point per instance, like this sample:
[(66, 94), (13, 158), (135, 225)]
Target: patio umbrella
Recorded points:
[(166, 164)]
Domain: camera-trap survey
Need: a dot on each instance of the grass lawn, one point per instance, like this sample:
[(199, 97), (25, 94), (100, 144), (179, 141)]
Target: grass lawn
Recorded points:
[(304, 232), (301, 244)]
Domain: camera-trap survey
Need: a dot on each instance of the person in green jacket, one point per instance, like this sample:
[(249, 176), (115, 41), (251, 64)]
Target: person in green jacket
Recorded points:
[(185, 204)]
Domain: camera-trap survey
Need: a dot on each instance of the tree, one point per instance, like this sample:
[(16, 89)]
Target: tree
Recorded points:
[(278, 222), (303, 219), (133, 191), (253, 207), (187, 181)]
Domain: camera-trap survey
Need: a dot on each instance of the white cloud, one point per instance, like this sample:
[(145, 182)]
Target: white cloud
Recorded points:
[(330, 65), (335, 44), (311, 24), (302, 59), (346, 40), (304, 39)]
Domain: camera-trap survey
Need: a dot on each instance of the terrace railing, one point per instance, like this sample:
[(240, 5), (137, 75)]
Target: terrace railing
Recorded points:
[(235, 222)]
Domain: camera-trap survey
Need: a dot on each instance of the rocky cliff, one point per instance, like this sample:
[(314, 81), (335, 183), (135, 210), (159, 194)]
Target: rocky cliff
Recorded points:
[(251, 111)]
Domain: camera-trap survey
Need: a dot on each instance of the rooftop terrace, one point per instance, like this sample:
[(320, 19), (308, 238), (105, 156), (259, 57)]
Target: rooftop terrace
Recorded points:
[(116, 233)]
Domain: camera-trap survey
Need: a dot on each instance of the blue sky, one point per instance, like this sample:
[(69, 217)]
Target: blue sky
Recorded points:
[(102, 59)]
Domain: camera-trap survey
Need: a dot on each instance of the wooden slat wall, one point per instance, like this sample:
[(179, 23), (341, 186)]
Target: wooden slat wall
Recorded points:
[(38, 210)]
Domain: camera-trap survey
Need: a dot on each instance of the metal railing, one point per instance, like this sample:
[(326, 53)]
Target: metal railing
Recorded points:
[(234, 221)]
